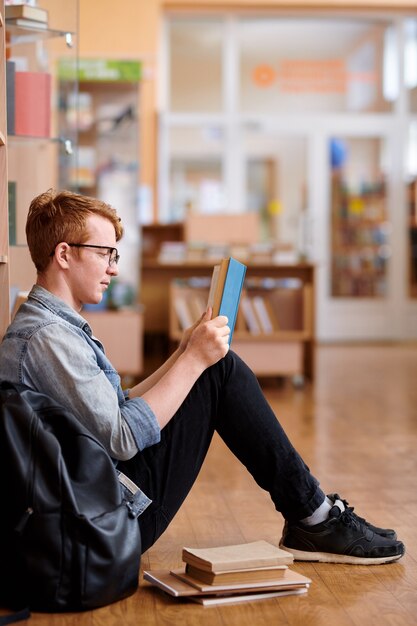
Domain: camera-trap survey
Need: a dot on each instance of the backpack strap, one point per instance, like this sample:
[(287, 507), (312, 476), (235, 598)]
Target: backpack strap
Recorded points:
[(17, 616)]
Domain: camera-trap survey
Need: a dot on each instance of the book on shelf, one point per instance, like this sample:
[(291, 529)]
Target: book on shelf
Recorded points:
[(32, 104), (225, 290), (79, 112), (83, 167), (25, 11), (250, 317), (183, 312), (172, 252), (11, 185), (197, 306), (264, 314), (20, 22), (10, 96), (230, 558)]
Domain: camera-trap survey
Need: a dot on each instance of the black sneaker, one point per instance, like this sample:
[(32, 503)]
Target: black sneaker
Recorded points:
[(384, 532), (341, 538)]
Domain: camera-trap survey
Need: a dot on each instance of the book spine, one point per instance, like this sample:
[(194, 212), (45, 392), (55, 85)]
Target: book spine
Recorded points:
[(12, 212), (10, 90), (33, 104), (183, 313), (263, 315), (13, 11), (231, 293), (250, 317)]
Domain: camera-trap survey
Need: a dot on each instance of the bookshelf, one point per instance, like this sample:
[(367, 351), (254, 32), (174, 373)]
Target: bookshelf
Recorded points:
[(33, 144), (104, 114), (4, 224), (360, 236), (274, 331)]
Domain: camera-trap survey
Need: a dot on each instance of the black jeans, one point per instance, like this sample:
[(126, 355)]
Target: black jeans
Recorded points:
[(226, 398)]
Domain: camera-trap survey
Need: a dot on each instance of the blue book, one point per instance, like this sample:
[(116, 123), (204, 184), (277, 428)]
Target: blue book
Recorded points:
[(225, 290)]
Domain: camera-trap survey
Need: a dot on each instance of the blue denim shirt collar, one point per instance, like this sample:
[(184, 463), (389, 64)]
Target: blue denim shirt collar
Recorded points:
[(59, 307)]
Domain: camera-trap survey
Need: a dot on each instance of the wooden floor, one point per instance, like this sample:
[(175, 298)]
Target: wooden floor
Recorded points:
[(357, 429)]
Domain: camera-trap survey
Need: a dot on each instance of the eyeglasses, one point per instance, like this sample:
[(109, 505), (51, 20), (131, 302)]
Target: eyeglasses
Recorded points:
[(112, 253)]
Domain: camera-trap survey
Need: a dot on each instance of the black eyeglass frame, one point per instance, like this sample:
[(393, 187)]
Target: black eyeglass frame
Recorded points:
[(114, 256)]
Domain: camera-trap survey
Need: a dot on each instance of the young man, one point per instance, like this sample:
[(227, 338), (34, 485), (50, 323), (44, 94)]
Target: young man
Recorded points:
[(160, 430)]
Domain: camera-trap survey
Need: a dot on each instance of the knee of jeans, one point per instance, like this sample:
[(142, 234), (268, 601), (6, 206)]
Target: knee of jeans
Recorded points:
[(234, 362)]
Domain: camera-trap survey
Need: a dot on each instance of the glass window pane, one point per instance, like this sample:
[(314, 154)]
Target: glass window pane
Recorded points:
[(314, 65), (196, 171), (360, 230), (276, 175), (410, 62), (195, 53)]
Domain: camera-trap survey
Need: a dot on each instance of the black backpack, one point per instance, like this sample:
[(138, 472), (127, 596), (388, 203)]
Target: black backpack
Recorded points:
[(69, 535)]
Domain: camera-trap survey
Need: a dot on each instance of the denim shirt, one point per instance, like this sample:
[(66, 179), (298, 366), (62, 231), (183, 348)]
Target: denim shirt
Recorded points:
[(50, 348)]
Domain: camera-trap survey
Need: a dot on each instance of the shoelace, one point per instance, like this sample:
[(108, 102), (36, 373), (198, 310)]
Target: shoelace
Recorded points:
[(349, 518), (351, 511)]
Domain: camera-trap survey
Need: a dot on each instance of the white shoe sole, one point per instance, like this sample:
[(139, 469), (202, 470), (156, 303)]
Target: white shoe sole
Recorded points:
[(328, 557)]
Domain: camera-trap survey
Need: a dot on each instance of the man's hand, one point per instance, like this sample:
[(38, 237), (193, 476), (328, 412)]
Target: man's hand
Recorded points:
[(188, 332), (202, 345), (208, 339)]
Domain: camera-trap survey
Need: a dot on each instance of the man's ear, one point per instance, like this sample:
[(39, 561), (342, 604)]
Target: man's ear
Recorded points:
[(61, 254)]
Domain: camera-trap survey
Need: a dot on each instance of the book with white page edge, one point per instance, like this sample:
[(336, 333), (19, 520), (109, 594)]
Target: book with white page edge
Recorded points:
[(232, 557), (178, 588), (249, 597), (288, 579)]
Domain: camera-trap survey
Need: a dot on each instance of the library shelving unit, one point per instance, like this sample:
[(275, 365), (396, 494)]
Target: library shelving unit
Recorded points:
[(33, 142), (4, 228), (360, 233), (104, 114), (274, 331)]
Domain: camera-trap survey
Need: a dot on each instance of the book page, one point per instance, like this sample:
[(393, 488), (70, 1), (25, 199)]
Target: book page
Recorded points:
[(213, 285)]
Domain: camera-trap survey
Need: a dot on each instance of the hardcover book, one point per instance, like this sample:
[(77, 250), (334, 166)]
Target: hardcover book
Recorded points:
[(264, 314), (174, 586), (225, 290), (10, 96), (247, 597), (286, 580), (260, 574), (25, 11), (33, 104), (20, 22), (230, 558), (250, 316)]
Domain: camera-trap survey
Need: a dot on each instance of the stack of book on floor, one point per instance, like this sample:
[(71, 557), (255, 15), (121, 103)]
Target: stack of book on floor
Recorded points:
[(231, 574)]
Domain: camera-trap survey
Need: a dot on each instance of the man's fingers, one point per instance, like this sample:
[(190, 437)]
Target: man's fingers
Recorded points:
[(220, 320)]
